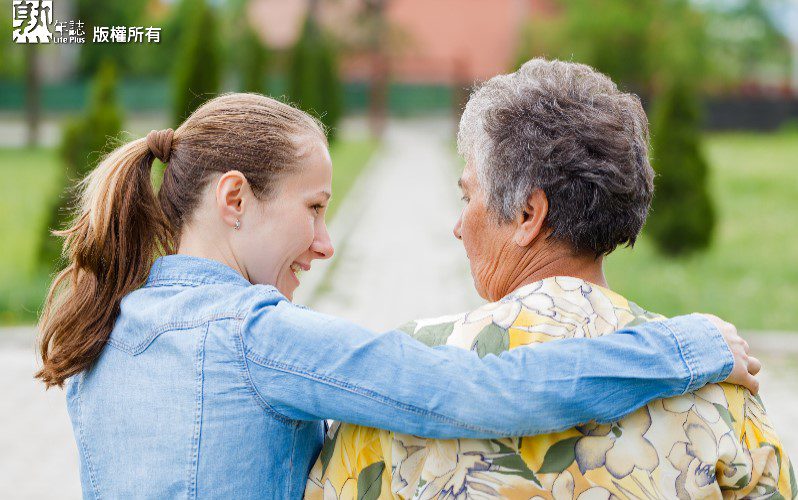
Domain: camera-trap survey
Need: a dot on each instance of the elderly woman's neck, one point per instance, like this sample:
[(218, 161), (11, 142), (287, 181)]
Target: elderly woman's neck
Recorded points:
[(554, 260)]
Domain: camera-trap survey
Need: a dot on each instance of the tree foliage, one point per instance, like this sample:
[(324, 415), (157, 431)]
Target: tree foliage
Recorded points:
[(254, 58), (744, 42), (84, 141), (314, 84), (104, 13), (657, 48), (682, 217), (197, 75)]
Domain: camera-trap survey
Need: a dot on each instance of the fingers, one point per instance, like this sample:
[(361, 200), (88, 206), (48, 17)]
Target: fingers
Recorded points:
[(746, 367), (740, 375), (754, 365), (752, 384)]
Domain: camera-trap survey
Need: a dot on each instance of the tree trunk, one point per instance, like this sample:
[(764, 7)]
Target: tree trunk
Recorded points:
[(32, 94)]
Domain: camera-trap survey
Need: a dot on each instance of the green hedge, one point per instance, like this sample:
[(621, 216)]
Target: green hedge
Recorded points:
[(156, 95)]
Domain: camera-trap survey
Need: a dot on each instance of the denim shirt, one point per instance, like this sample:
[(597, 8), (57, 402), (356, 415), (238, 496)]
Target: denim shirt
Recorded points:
[(210, 386)]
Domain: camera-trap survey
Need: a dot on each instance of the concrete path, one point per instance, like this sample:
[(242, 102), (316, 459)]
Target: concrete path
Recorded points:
[(38, 456), (396, 259), (400, 260)]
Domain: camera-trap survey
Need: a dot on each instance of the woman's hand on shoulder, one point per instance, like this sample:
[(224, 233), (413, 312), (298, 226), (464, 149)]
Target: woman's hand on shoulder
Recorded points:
[(745, 366)]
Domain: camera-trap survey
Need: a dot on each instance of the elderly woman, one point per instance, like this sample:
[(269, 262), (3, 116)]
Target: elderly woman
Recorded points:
[(557, 177)]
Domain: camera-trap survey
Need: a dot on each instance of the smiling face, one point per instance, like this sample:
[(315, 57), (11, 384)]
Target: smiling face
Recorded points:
[(487, 243), (280, 236)]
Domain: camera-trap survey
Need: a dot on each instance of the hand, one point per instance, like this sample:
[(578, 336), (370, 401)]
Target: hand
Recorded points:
[(745, 366)]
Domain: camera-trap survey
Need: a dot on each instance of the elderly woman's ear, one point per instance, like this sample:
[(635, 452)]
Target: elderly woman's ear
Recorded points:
[(529, 223)]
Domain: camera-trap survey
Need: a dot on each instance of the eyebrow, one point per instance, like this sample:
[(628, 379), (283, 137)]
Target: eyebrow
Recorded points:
[(326, 194), (460, 183)]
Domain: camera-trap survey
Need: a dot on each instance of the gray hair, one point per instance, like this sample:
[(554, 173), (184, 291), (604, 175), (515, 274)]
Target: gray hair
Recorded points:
[(566, 129)]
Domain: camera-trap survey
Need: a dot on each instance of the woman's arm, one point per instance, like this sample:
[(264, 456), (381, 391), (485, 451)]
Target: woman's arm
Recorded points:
[(306, 366)]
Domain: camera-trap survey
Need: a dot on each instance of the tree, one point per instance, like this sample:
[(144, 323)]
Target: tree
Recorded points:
[(654, 47), (612, 36), (84, 141), (745, 42), (198, 71), (105, 13), (682, 216), (33, 94), (254, 58), (314, 84)]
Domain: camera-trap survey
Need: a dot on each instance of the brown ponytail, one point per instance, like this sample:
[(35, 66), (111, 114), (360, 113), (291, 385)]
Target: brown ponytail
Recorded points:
[(121, 226), (110, 247)]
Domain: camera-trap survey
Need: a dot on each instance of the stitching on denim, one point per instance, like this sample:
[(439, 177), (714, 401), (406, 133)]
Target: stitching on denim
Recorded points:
[(687, 358), (95, 487), (372, 395), (718, 338), (247, 376), (269, 291), (174, 325), (291, 461), (195, 445), (162, 282)]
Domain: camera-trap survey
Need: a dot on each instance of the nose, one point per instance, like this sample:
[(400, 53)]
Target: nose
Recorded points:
[(457, 227), (322, 244)]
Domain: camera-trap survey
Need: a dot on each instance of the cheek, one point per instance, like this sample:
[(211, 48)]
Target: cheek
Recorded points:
[(472, 229), (302, 231), (261, 255)]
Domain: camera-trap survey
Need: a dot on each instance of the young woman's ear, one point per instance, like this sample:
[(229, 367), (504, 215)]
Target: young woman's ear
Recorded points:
[(529, 223), (231, 196)]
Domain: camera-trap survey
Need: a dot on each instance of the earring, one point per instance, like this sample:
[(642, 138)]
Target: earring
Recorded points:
[(238, 224)]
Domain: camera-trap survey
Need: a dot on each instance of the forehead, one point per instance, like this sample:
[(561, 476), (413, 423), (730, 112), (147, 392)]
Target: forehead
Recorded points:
[(468, 177), (314, 169)]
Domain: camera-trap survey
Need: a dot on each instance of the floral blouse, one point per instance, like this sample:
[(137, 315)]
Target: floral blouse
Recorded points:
[(715, 442)]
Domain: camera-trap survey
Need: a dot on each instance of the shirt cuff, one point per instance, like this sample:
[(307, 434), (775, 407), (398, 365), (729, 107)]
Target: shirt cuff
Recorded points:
[(706, 354)]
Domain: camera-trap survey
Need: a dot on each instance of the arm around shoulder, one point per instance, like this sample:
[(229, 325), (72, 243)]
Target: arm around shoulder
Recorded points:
[(306, 366)]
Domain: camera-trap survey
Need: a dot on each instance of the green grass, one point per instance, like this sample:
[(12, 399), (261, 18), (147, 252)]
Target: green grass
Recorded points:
[(349, 158), (29, 179), (750, 274)]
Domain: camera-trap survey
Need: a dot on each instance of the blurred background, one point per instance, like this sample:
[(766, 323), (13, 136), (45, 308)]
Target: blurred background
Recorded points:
[(389, 78)]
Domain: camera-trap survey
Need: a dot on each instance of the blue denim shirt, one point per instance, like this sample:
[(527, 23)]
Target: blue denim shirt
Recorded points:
[(213, 387)]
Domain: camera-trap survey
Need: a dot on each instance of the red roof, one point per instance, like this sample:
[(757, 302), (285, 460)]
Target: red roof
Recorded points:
[(427, 40)]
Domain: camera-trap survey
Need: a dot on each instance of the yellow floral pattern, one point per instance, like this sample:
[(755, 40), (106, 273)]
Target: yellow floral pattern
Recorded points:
[(714, 443)]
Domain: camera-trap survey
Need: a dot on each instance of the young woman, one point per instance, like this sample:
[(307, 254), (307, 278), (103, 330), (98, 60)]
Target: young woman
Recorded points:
[(194, 375)]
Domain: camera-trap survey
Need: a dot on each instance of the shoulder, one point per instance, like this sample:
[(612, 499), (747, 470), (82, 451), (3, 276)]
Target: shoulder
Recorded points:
[(150, 311), (274, 326), (484, 329)]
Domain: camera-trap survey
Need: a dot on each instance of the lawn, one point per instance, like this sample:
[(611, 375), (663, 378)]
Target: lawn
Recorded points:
[(29, 178), (750, 274), (349, 158)]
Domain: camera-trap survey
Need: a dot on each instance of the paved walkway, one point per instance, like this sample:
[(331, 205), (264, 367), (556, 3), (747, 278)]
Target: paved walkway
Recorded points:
[(396, 260), (38, 457), (400, 260)]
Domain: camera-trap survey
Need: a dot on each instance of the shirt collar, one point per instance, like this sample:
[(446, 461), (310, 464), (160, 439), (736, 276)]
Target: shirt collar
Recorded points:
[(190, 270)]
